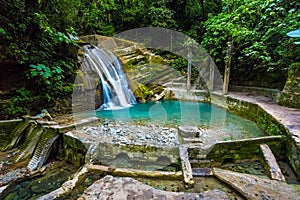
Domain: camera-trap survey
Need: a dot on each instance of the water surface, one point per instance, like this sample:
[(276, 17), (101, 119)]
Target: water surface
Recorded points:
[(174, 113)]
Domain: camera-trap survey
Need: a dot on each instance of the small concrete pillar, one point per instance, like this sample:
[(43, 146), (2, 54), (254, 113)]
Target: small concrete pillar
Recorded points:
[(188, 133)]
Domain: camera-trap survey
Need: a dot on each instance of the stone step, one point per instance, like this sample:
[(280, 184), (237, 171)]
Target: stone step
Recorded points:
[(254, 187), (28, 147), (162, 76), (188, 131), (197, 163), (192, 140), (42, 150), (199, 172), (125, 51)]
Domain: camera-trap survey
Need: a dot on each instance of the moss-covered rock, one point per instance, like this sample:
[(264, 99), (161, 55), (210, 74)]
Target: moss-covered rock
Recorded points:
[(156, 59), (140, 91), (74, 150)]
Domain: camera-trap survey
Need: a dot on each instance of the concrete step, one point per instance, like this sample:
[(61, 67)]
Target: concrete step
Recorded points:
[(271, 164), (200, 163), (200, 172)]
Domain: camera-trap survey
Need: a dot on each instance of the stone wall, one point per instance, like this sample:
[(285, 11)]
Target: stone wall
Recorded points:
[(6, 127), (87, 92), (251, 111), (74, 150), (290, 96), (106, 154), (266, 121)]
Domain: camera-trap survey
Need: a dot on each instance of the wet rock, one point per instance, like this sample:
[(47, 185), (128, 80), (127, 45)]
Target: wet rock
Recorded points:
[(128, 188), (14, 175)]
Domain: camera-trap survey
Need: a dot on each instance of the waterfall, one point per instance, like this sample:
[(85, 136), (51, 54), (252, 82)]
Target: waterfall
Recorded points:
[(115, 87)]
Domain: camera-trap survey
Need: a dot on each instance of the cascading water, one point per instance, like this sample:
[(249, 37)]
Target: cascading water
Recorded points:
[(115, 87)]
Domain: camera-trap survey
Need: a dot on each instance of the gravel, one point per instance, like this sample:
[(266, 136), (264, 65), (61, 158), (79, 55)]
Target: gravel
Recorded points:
[(125, 133)]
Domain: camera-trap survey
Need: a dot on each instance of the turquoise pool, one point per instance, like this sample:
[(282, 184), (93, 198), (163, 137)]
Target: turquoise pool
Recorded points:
[(174, 113)]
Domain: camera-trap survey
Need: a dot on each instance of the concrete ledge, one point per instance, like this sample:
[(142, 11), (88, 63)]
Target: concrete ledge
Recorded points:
[(271, 164), (80, 123), (186, 167), (128, 172)]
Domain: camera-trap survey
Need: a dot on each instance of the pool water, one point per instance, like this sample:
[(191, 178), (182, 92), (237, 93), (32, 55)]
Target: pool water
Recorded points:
[(174, 113)]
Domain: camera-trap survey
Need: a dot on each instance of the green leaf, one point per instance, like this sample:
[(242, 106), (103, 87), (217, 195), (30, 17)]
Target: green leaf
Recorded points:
[(58, 70), (2, 31), (34, 73), (39, 67)]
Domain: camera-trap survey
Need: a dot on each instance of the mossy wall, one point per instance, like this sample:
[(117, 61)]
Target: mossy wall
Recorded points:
[(6, 128), (74, 150), (104, 153), (265, 121), (245, 149), (290, 96), (293, 153), (250, 111)]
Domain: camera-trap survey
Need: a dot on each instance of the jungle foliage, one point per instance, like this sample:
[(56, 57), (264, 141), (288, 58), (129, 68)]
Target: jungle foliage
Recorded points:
[(40, 35), (258, 29)]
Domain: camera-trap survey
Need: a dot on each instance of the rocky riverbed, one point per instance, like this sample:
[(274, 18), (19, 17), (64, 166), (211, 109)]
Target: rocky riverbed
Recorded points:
[(126, 133)]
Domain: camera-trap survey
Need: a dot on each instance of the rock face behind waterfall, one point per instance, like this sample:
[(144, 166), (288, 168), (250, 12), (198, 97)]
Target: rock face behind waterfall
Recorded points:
[(101, 82), (106, 66)]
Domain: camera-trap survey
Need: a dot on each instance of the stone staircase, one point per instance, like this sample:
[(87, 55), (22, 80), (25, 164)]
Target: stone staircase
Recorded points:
[(16, 134), (42, 150), (33, 134)]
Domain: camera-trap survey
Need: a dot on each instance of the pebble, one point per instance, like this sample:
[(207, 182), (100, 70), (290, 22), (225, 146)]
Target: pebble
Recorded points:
[(121, 133), (105, 123), (172, 135), (118, 131), (148, 136)]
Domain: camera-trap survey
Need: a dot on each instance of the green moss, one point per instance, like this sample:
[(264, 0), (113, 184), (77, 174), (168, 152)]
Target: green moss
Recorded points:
[(74, 150), (255, 113), (244, 149), (141, 92), (156, 59)]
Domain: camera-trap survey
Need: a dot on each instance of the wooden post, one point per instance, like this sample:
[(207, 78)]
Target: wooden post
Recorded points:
[(227, 69)]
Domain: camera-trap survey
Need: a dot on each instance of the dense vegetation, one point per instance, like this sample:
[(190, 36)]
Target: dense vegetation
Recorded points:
[(39, 36)]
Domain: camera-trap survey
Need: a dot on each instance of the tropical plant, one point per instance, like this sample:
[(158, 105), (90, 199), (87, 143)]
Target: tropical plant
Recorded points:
[(258, 30)]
